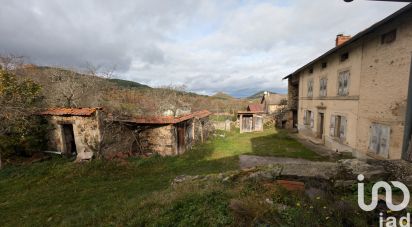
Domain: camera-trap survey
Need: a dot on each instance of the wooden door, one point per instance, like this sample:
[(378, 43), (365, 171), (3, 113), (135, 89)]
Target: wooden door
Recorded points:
[(180, 138), (321, 124)]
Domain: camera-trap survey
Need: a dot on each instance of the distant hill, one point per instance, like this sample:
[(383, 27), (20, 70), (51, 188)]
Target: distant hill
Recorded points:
[(222, 95), (117, 95), (259, 95), (128, 84)]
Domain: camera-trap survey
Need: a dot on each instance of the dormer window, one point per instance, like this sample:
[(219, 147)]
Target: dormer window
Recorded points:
[(344, 57), (388, 37)]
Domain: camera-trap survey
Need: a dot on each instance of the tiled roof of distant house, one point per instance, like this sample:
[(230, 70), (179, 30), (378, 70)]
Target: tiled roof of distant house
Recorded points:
[(70, 111), (167, 119), (255, 107)]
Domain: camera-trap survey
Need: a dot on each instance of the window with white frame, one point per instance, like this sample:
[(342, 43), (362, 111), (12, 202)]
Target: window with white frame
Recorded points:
[(323, 87), (310, 88), (338, 127), (343, 83)]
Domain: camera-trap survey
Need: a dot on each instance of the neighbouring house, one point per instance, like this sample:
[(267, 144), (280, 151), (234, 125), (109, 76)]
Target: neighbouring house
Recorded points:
[(165, 135), (272, 102), (250, 121), (255, 107), (74, 131), (354, 97)]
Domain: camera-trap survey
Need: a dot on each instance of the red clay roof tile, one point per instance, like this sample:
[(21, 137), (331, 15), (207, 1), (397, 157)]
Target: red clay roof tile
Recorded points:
[(70, 111)]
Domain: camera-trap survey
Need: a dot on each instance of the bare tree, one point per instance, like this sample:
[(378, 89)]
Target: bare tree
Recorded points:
[(10, 62), (71, 88)]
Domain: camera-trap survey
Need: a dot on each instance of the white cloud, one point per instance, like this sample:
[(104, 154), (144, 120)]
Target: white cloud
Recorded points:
[(235, 46)]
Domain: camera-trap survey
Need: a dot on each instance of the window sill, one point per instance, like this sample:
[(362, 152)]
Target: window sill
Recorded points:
[(355, 97)]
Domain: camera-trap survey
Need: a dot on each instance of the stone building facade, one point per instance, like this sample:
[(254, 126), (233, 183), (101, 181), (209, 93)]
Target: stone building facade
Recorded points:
[(163, 135), (74, 132), (354, 97), (87, 132), (272, 102)]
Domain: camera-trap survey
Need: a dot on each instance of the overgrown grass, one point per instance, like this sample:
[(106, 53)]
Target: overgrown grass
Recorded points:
[(58, 192), (267, 143)]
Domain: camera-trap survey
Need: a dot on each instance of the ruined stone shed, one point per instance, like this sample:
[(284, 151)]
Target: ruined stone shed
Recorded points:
[(74, 131), (165, 135)]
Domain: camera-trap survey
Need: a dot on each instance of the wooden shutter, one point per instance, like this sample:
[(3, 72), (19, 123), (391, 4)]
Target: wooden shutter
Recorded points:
[(323, 86), (379, 139), (332, 125), (384, 140), (345, 83), (343, 124), (312, 120), (374, 138)]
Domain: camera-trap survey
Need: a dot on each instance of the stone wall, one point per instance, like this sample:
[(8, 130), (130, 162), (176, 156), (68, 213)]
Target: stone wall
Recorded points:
[(87, 134), (160, 139), (222, 125), (384, 85), (203, 128)]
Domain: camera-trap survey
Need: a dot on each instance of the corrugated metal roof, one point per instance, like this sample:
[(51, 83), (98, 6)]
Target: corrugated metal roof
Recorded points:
[(166, 120), (355, 38), (70, 111)]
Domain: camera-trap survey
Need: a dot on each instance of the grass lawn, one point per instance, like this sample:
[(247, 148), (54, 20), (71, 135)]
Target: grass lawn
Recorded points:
[(136, 192)]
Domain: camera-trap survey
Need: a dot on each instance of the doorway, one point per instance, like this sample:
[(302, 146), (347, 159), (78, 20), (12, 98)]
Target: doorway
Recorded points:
[(321, 125), (69, 143), (180, 138), (295, 118)]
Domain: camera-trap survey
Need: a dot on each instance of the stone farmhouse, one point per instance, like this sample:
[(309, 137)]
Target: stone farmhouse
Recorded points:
[(272, 102), (84, 132), (354, 97)]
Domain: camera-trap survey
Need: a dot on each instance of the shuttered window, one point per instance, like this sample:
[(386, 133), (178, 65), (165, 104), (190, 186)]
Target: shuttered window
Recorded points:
[(322, 87), (338, 127), (308, 118), (310, 88), (343, 83), (379, 139)]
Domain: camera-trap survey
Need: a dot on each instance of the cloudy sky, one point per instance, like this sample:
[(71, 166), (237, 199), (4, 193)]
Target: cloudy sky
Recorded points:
[(238, 47)]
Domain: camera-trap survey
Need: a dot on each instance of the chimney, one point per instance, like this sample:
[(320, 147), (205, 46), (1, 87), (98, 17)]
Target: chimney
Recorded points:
[(341, 38)]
